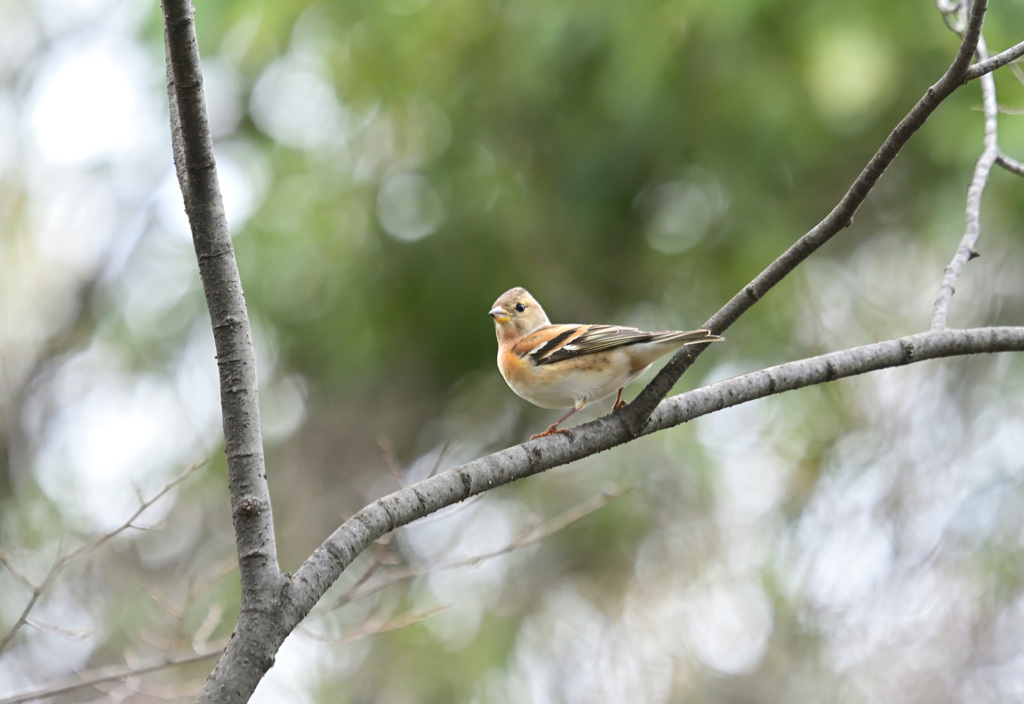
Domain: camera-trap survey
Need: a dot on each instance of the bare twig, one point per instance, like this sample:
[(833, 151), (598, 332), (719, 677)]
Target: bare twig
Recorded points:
[(990, 152), (202, 635), (1017, 72), (164, 490), (37, 591), (530, 536), (387, 450), (1010, 164), (986, 66), (65, 559), (954, 13), (91, 678), (374, 626), (179, 614), (66, 633), (25, 581), (355, 591)]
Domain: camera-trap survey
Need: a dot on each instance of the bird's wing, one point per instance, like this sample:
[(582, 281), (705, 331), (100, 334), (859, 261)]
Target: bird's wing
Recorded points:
[(556, 343)]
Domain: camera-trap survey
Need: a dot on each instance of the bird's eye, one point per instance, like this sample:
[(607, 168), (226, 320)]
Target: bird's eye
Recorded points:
[(520, 307)]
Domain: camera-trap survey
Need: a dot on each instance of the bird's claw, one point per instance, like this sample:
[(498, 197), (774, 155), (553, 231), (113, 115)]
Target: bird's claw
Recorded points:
[(552, 430)]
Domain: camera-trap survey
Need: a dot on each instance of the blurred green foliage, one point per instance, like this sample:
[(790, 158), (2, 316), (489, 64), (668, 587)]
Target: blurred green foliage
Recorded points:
[(391, 168)]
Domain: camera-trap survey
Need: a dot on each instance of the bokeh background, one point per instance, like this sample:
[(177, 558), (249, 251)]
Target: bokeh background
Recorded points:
[(389, 169)]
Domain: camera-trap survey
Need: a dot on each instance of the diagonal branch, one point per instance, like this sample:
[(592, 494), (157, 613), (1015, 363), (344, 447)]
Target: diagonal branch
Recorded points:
[(965, 252), (1010, 164), (934, 344), (989, 65), (402, 507), (841, 216)]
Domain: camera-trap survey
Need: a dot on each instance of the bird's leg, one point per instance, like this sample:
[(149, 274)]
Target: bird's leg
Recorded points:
[(553, 428), (619, 403)]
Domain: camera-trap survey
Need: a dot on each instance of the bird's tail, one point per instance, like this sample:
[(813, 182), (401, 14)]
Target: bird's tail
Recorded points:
[(691, 337)]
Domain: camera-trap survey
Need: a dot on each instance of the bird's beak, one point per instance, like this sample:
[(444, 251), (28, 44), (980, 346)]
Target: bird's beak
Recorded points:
[(500, 315)]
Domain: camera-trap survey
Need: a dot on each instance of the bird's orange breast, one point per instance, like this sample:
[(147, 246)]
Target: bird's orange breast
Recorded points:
[(513, 367)]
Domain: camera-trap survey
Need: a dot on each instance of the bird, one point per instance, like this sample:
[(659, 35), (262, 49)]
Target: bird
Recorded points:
[(558, 366)]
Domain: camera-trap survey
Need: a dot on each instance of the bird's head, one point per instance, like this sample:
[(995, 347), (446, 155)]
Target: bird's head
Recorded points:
[(516, 313)]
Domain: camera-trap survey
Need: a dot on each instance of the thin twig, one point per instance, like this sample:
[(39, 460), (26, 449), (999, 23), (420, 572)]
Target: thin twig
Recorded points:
[(990, 152), (25, 581), (65, 559), (986, 66), (164, 490), (954, 14), (1010, 164), (66, 633), (1017, 72), (91, 678), (372, 627), (532, 535), (37, 592)]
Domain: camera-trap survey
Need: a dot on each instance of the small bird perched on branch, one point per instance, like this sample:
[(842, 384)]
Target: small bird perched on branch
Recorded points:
[(555, 366)]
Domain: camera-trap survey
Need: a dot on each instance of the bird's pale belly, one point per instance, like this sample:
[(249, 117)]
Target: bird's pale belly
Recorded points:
[(552, 386)]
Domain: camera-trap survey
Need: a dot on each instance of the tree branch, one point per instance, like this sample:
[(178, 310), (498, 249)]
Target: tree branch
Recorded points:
[(402, 507), (841, 216), (999, 60), (990, 152), (113, 673), (532, 535), (934, 344), (65, 559), (1010, 164), (259, 573)]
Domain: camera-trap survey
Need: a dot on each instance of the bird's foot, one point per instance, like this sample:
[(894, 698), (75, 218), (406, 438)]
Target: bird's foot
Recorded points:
[(553, 429), (619, 403)]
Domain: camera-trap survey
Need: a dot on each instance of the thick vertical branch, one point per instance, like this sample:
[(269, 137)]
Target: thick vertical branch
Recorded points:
[(236, 362), (256, 637)]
